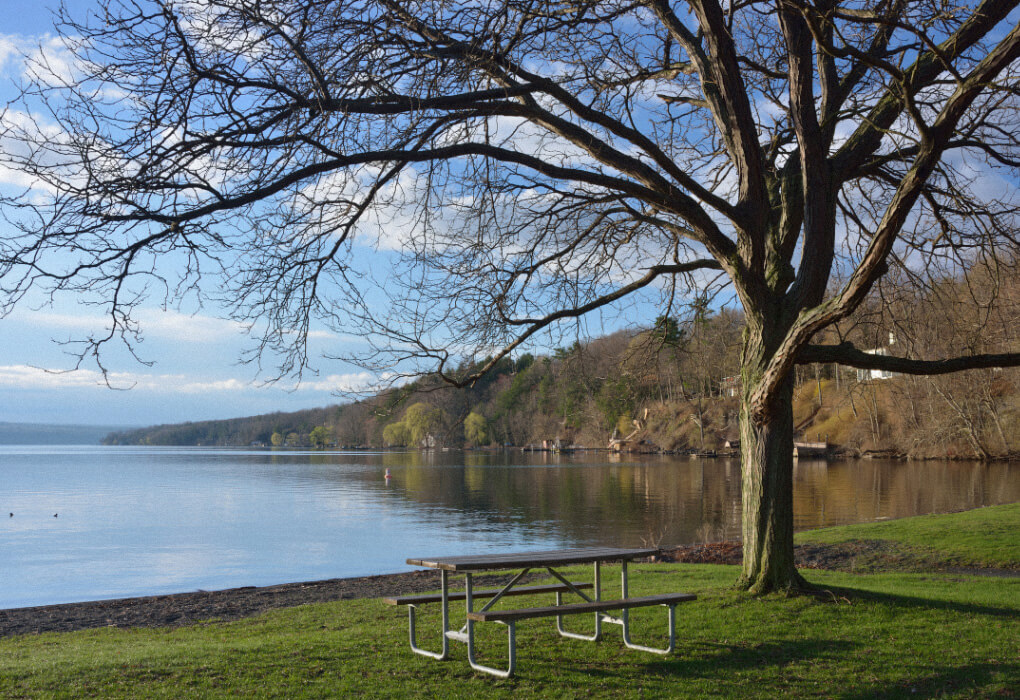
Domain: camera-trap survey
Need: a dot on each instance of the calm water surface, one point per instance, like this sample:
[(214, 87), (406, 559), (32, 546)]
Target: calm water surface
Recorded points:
[(141, 521)]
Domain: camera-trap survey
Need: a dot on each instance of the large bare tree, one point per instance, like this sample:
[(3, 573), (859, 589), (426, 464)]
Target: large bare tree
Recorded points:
[(519, 164)]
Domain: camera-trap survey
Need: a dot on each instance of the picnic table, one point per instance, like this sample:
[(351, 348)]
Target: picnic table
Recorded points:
[(524, 562)]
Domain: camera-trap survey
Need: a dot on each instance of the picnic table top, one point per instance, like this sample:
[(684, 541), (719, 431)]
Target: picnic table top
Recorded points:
[(511, 560)]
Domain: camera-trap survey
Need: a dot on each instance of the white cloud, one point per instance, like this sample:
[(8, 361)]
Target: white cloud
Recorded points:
[(10, 49), (187, 327), (51, 61), (174, 325), (37, 378), (27, 377), (353, 381), (45, 57), (390, 223), (28, 137)]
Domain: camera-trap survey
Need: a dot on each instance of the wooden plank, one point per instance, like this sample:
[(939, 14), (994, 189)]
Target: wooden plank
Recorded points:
[(489, 593), (577, 608), (517, 560)]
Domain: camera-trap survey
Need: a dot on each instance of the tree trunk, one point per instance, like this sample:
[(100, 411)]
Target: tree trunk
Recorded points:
[(766, 453), (701, 423)]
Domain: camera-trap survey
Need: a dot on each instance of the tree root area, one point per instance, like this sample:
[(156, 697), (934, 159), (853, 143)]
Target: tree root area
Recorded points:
[(861, 556)]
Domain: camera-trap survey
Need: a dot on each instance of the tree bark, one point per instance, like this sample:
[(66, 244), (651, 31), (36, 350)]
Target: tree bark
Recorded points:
[(766, 453), (767, 463)]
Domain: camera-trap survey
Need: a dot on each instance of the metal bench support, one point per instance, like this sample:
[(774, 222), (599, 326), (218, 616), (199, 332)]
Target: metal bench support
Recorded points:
[(625, 621), (672, 633), (445, 575), (598, 617)]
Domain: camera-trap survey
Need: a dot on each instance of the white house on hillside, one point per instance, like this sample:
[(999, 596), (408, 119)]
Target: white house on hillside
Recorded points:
[(864, 375)]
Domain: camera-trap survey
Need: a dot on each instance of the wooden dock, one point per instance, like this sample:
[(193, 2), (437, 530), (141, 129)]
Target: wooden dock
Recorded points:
[(811, 450)]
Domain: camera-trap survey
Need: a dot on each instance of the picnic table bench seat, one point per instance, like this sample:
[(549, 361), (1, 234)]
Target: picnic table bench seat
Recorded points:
[(576, 608), (421, 599)]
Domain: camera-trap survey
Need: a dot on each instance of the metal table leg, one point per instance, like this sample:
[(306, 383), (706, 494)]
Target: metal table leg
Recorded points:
[(511, 638)]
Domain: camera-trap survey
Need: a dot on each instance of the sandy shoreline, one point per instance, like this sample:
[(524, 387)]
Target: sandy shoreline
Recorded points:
[(179, 609)]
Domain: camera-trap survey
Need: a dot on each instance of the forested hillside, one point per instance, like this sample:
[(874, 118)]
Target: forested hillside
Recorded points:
[(674, 385), (50, 434)]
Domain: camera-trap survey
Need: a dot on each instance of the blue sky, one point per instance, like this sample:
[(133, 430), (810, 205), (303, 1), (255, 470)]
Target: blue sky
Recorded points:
[(195, 374)]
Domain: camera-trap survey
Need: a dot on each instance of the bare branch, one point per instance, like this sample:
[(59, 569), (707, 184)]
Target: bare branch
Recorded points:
[(847, 354)]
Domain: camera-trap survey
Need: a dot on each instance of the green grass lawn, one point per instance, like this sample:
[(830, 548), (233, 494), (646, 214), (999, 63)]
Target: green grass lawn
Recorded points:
[(875, 635), (986, 537)]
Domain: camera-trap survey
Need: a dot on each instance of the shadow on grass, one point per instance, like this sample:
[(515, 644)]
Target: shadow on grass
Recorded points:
[(723, 659), (963, 680), (904, 601)]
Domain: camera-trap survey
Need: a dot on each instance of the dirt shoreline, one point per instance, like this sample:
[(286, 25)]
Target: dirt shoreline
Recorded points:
[(180, 609)]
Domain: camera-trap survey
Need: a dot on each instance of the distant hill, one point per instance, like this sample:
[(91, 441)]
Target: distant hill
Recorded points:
[(230, 432), (49, 434), (674, 386)]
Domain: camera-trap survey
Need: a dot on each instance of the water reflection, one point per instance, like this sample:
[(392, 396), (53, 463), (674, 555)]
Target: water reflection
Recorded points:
[(613, 499)]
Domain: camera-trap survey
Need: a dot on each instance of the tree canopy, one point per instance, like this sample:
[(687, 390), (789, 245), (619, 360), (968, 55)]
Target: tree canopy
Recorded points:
[(476, 429)]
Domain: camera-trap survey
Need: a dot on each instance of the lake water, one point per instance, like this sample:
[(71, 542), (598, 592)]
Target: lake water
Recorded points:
[(141, 521)]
